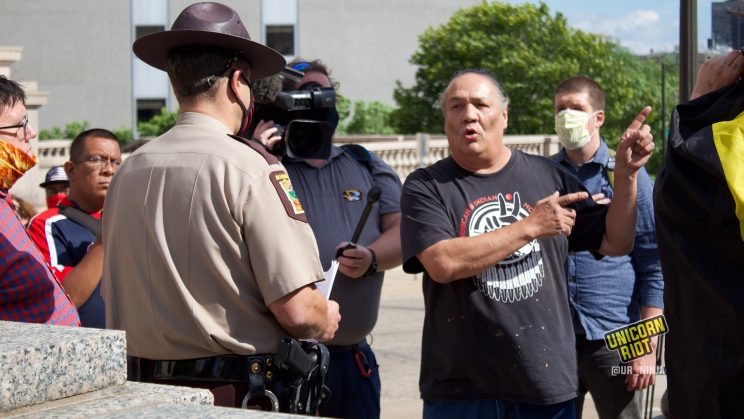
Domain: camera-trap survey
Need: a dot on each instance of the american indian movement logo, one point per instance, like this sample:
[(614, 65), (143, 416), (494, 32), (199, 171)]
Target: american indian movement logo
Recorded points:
[(519, 276)]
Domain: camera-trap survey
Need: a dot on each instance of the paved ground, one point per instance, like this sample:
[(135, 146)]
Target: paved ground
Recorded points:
[(397, 344)]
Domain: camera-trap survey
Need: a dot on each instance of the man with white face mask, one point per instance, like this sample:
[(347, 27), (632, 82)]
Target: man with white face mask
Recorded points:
[(608, 293)]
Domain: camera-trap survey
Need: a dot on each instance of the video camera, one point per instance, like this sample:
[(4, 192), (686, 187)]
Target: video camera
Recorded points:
[(313, 97), (300, 116)]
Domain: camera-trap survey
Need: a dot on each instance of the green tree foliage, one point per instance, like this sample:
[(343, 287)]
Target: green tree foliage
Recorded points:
[(158, 124), (343, 106), (70, 131), (124, 135), (530, 51), (369, 118), (663, 106)]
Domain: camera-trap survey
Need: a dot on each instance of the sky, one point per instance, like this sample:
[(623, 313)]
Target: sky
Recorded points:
[(639, 25)]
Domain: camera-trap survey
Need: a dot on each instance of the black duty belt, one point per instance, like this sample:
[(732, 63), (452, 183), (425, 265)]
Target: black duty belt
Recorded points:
[(223, 368), (365, 369), (292, 380), (355, 347), (255, 371)]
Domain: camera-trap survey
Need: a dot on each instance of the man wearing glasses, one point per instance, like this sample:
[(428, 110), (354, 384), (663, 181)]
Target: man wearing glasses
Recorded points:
[(29, 292), (66, 234)]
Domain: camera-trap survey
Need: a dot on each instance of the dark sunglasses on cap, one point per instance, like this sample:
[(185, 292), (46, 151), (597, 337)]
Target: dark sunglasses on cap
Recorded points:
[(301, 66)]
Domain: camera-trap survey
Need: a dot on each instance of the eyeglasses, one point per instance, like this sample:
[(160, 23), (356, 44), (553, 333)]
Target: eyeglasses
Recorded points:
[(100, 162), (23, 125)]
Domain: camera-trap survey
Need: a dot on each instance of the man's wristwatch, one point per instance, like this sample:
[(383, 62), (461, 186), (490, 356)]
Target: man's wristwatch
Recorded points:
[(372, 265)]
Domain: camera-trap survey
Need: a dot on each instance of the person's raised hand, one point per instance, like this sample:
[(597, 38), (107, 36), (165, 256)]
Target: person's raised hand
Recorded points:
[(718, 72), (635, 146), (265, 133)]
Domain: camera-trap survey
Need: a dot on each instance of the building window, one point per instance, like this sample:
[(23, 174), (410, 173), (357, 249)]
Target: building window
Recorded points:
[(141, 31), (281, 38), (147, 108)]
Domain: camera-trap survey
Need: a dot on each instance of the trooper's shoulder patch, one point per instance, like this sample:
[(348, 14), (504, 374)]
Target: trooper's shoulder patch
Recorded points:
[(259, 148), (287, 194)]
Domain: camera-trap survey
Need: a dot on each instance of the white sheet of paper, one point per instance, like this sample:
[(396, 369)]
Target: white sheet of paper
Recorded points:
[(325, 286)]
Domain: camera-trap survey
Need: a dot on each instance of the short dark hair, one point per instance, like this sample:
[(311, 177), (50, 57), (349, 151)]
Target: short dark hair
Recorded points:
[(504, 101), (314, 65), (10, 93), (77, 145), (583, 84), (195, 69)]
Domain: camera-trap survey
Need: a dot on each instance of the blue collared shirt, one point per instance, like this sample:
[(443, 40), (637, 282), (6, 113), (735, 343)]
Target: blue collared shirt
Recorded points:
[(608, 293)]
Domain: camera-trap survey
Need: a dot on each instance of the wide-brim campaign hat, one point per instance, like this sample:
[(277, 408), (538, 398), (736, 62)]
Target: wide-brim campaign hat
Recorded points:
[(55, 175), (209, 24)]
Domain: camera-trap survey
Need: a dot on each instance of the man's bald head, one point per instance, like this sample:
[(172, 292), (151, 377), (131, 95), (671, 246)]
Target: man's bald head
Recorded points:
[(477, 71)]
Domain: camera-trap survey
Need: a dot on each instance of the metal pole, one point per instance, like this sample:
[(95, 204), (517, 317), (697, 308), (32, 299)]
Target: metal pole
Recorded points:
[(132, 79), (687, 48), (663, 107)]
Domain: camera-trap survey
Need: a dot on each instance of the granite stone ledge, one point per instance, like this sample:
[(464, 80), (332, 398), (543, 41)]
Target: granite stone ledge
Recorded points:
[(40, 363), (128, 400), (201, 412)]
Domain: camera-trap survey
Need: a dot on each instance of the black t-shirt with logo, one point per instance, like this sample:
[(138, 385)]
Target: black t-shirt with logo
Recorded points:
[(506, 333)]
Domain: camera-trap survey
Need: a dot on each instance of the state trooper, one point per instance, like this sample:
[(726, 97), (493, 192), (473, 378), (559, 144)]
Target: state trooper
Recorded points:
[(209, 260)]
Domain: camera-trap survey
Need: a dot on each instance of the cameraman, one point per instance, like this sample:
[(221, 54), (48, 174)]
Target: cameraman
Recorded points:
[(333, 193)]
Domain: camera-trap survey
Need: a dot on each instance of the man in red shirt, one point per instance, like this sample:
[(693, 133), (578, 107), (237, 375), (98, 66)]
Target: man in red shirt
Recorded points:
[(66, 234)]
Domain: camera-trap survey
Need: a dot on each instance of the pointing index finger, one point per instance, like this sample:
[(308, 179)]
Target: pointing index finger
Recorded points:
[(638, 121), (570, 198)]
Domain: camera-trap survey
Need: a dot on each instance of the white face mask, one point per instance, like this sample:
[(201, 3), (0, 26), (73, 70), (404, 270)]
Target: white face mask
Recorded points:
[(570, 125)]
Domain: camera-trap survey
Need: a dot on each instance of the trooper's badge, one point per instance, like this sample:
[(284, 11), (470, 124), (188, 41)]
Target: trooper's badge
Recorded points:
[(287, 195)]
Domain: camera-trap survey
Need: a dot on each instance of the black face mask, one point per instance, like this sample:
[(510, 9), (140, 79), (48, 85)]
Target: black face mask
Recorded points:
[(247, 113), (333, 118), (247, 118)]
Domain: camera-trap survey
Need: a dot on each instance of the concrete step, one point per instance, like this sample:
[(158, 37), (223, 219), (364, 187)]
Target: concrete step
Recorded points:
[(67, 372), (201, 412), (128, 400), (41, 363)]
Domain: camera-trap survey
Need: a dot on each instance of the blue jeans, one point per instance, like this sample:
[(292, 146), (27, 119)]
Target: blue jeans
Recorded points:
[(352, 395), (497, 409)]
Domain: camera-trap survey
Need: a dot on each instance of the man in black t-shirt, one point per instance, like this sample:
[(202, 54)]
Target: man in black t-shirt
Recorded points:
[(490, 228)]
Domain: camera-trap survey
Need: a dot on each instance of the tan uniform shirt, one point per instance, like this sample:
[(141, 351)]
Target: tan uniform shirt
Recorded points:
[(202, 233)]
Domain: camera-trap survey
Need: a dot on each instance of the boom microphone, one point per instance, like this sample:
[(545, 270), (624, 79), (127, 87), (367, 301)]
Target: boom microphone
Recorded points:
[(265, 90), (372, 197)]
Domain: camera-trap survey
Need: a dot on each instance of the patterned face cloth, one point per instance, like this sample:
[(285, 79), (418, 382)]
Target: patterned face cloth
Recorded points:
[(13, 164)]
